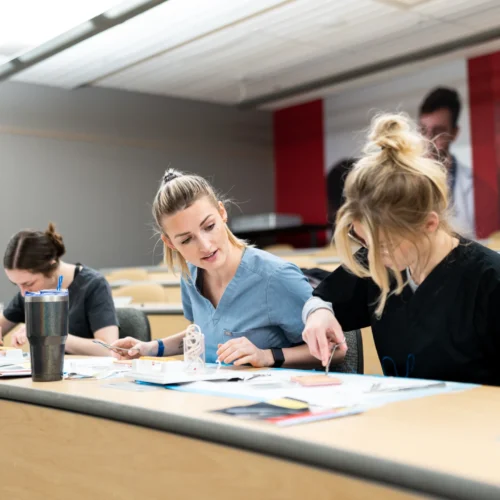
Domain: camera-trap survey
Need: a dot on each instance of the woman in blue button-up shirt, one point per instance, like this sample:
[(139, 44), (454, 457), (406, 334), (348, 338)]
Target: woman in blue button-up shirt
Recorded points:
[(247, 302)]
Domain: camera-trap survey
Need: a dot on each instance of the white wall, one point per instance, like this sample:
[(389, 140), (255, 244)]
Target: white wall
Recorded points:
[(90, 160), (347, 114)]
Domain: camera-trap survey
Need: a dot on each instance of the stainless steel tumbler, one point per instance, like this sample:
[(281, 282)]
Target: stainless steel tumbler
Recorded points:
[(47, 329)]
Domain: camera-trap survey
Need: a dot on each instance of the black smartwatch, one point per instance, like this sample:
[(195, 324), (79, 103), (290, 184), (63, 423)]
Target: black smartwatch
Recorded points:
[(278, 356)]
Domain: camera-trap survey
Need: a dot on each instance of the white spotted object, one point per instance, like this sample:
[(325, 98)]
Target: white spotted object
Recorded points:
[(194, 349)]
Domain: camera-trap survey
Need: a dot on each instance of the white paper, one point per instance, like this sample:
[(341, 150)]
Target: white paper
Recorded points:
[(94, 367), (355, 390), (174, 372)]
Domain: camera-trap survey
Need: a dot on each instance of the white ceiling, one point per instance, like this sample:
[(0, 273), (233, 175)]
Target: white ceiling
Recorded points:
[(230, 51)]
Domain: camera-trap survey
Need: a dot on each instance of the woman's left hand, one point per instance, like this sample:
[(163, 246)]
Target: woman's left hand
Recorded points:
[(241, 351), (19, 337)]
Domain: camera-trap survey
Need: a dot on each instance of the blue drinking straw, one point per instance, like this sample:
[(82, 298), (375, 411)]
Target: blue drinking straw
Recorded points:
[(59, 283)]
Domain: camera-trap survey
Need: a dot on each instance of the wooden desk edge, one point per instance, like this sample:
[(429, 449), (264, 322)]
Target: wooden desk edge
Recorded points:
[(357, 465)]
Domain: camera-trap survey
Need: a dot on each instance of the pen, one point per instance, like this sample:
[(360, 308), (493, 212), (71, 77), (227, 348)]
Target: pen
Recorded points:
[(327, 368), (110, 347)]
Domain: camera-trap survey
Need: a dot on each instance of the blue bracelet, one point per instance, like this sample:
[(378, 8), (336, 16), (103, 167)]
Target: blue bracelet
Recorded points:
[(161, 348)]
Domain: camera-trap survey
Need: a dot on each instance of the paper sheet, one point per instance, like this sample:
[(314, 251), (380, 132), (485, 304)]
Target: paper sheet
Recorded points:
[(94, 367), (355, 390), (21, 369)]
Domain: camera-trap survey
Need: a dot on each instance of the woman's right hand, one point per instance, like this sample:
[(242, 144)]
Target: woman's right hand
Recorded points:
[(136, 348), (321, 331)]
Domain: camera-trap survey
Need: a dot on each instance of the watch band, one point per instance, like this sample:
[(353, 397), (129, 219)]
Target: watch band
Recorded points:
[(161, 348), (278, 356)]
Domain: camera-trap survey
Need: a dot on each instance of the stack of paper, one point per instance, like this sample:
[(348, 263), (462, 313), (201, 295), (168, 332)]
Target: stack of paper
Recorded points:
[(94, 367), (10, 369)]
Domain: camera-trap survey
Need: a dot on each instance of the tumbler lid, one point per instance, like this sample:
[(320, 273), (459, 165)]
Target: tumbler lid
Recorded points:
[(47, 296)]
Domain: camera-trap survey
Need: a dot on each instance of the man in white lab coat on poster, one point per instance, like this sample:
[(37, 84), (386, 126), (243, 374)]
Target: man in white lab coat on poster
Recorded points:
[(438, 118)]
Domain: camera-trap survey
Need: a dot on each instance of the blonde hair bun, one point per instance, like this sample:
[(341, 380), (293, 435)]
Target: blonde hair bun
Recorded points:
[(391, 191), (395, 133)]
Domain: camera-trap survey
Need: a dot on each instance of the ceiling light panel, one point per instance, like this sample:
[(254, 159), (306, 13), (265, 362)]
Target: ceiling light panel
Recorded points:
[(234, 50), (26, 24), (237, 54), (169, 25)]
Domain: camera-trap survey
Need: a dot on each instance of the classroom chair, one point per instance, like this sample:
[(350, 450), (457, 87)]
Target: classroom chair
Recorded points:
[(132, 274), (353, 361), (141, 292), (133, 323)]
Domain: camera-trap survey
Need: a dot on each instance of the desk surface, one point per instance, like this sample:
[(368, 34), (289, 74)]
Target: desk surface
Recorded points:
[(160, 308), (155, 269), (447, 445), (165, 282), (327, 260)]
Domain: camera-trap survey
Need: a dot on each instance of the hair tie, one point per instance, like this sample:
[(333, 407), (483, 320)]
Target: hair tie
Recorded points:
[(169, 176)]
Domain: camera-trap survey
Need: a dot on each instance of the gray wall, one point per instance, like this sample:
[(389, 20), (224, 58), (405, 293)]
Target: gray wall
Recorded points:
[(90, 160)]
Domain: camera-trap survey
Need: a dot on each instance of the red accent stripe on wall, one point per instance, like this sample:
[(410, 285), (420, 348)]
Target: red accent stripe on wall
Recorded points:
[(299, 159), (484, 97)]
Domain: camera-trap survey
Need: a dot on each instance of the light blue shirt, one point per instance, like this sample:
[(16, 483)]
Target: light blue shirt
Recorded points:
[(263, 302)]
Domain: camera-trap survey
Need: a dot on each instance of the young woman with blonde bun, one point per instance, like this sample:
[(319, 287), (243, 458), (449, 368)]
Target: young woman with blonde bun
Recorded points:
[(431, 297), (247, 302)]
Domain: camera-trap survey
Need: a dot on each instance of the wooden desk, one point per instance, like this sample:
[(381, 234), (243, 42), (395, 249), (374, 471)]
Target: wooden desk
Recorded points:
[(156, 268), (72, 439), (158, 308), (327, 260), (170, 282)]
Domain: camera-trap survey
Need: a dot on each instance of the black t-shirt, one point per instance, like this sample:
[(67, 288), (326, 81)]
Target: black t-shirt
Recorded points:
[(91, 305), (448, 329)]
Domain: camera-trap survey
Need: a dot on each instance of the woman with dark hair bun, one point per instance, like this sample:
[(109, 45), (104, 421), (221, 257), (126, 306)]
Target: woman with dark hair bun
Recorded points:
[(32, 261)]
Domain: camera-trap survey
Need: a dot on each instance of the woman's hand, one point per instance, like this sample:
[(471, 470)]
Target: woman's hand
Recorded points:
[(241, 351), (19, 338), (135, 348), (321, 331)]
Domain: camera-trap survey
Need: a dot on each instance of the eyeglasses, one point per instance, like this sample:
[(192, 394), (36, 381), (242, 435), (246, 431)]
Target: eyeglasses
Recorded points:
[(384, 249), (357, 239)]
